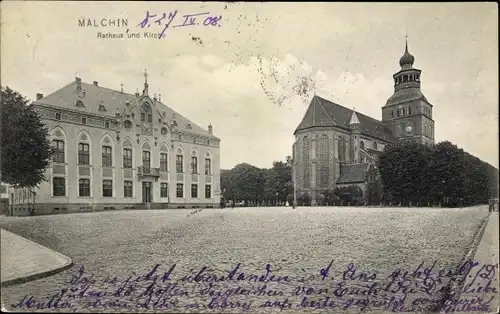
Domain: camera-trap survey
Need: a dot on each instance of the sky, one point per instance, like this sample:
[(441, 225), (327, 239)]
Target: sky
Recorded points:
[(253, 74)]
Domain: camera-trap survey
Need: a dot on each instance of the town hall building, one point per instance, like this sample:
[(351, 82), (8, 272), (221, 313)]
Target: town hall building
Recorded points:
[(114, 150), (336, 146)]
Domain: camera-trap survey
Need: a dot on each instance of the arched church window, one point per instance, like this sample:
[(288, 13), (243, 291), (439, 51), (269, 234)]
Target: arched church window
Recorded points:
[(339, 148), (344, 149), (409, 111), (324, 161), (306, 150)]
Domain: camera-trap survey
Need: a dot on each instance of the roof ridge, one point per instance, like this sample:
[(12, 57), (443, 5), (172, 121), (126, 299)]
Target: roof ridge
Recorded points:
[(357, 112), (102, 87)]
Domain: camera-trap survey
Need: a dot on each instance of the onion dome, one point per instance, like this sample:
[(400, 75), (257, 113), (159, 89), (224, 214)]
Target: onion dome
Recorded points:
[(407, 58)]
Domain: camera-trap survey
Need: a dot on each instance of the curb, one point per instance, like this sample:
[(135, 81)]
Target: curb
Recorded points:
[(35, 276), (474, 245)]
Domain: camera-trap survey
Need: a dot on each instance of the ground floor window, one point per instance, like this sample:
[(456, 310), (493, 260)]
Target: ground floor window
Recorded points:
[(208, 191), (180, 190), (107, 188), (194, 190), (59, 186), (127, 189), (84, 187), (164, 190)]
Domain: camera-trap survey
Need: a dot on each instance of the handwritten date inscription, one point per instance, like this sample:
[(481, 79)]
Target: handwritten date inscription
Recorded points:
[(424, 288), (164, 20)]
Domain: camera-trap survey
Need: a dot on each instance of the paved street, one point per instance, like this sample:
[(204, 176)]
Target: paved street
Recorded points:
[(295, 243)]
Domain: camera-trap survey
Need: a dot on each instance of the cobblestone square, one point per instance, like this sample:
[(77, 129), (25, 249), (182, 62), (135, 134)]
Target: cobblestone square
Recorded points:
[(294, 242)]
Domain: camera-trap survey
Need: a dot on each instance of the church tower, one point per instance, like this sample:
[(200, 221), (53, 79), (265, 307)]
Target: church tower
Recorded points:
[(407, 112)]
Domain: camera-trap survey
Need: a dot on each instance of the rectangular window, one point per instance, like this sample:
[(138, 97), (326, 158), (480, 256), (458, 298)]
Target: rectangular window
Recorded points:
[(409, 111), (127, 158), (84, 120), (208, 191), (58, 116), (150, 118), (163, 162), (164, 190), (194, 165), (58, 151), (398, 112), (392, 114), (59, 186), (208, 166), (83, 154), (127, 188), (106, 156), (179, 164), (107, 188), (106, 124), (146, 161), (194, 190), (84, 187), (142, 116), (180, 190), (403, 112)]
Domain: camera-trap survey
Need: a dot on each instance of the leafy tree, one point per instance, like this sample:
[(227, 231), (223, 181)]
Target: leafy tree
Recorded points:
[(26, 150), (418, 175)]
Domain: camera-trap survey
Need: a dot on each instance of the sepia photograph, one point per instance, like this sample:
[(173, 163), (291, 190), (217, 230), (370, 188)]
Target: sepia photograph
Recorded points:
[(249, 157)]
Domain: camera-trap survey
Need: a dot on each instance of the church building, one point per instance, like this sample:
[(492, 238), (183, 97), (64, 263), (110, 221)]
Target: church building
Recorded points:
[(336, 146), (114, 150)]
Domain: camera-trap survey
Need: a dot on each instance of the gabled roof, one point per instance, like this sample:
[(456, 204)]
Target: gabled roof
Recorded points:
[(113, 101), (354, 173), (324, 113)]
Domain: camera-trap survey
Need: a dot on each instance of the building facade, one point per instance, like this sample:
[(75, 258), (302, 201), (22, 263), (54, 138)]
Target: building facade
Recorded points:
[(336, 146), (114, 150)]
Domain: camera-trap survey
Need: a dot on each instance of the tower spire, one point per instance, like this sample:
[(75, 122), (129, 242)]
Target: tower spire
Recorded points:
[(145, 82), (406, 41)]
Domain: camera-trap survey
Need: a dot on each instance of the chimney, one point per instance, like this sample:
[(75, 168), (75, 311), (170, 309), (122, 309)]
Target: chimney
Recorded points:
[(39, 96), (96, 83), (210, 128), (78, 84)]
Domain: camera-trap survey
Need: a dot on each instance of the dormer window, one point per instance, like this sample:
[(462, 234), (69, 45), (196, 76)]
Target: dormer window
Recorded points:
[(79, 103), (102, 108), (188, 126)]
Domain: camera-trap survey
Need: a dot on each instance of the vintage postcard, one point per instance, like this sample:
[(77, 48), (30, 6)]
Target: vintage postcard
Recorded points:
[(237, 157)]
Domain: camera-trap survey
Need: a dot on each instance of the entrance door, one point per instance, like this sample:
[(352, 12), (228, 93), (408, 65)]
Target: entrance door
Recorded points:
[(146, 192)]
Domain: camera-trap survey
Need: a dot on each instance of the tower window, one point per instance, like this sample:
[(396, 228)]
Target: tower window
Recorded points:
[(409, 111), (403, 112), (392, 113)]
